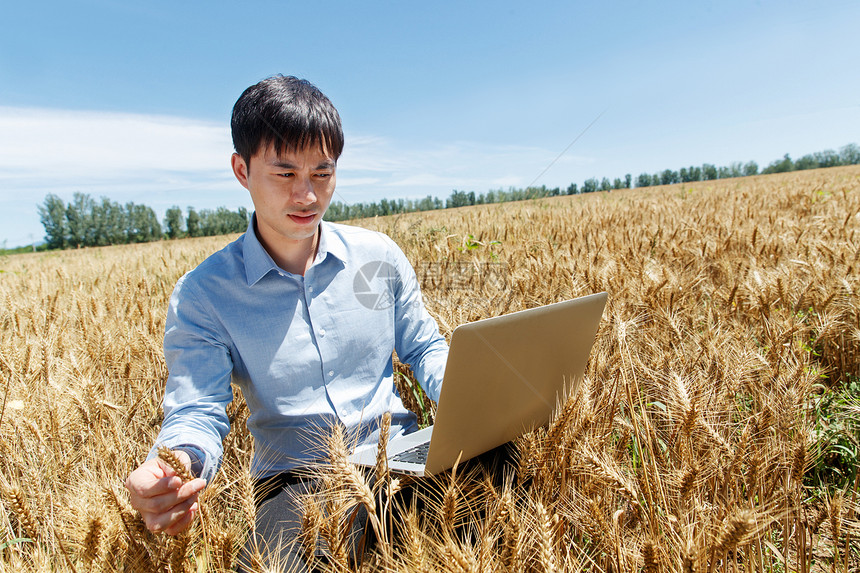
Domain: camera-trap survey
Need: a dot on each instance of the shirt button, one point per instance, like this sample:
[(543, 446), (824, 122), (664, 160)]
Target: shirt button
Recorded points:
[(310, 289), (322, 332), (331, 372)]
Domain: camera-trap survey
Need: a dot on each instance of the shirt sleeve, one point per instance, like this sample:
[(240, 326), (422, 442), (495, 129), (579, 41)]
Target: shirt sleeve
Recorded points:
[(417, 339), (198, 385)]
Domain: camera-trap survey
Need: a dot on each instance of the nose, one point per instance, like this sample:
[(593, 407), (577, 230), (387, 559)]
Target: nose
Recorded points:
[(303, 192)]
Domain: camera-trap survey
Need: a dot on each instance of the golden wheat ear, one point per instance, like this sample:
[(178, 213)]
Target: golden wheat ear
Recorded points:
[(380, 471), (169, 457), (21, 510)]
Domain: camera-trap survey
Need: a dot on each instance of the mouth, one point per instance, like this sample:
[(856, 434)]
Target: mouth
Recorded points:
[(302, 218)]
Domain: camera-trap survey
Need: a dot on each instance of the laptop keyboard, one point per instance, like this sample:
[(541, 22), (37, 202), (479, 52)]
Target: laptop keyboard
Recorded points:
[(414, 455)]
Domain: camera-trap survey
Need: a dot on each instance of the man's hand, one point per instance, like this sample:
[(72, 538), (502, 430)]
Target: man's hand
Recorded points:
[(165, 503)]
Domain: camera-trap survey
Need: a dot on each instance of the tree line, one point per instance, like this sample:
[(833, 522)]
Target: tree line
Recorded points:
[(847, 155), (85, 222)]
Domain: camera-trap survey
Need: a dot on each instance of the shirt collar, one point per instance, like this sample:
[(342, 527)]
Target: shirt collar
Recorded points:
[(258, 262), (331, 243)]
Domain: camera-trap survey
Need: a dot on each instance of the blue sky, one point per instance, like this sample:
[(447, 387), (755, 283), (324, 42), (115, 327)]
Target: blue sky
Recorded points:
[(132, 100)]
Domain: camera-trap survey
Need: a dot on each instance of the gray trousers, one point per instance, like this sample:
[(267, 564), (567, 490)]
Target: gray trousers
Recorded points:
[(275, 545)]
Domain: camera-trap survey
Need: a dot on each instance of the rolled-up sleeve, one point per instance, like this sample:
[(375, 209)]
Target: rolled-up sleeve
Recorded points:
[(198, 384)]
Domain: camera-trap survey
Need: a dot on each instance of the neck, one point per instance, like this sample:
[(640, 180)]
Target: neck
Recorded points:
[(294, 256)]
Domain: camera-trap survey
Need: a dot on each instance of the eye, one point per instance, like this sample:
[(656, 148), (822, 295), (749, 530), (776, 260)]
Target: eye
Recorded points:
[(285, 174)]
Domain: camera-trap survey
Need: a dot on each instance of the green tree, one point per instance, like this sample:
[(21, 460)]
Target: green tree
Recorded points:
[(668, 177), (151, 226), (141, 224), (827, 158), (192, 223), (114, 222), (173, 222), (805, 162), (695, 173), (780, 166), (691, 173), (427, 204), (644, 180), (223, 221), (335, 211), (79, 221), (460, 199), (108, 223), (709, 172), (736, 169), (52, 214), (244, 219), (99, 222), (850, 154)]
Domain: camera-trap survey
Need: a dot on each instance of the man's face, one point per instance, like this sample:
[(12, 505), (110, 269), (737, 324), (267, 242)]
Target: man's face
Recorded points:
[(290, 191)]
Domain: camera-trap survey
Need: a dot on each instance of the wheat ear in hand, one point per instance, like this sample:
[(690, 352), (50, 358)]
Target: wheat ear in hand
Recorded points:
[(169, 457)]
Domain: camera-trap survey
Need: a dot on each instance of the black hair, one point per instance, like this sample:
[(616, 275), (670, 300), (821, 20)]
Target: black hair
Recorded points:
[(287, 112)]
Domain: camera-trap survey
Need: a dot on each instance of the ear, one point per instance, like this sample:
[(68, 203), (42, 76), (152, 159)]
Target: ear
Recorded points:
[(240, 169)]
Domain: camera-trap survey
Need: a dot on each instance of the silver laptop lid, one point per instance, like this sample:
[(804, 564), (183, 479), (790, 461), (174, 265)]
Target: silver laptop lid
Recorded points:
[(505, 374)]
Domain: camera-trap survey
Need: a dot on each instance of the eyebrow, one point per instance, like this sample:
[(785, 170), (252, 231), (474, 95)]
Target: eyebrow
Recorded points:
[(326, 164)]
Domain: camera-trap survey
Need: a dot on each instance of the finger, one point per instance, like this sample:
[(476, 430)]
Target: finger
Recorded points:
[(154, 487), (167, 502), (150, 479), (191, 487), (157, 496), (164, 521), (183, 523)]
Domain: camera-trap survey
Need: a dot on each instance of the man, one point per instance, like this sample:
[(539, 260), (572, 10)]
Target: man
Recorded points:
[(301, 314)]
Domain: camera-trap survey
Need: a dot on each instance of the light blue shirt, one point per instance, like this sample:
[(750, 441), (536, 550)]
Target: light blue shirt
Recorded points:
[(307, 351)]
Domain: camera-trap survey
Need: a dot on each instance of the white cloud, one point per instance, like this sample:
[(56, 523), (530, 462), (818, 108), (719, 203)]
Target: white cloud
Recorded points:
[(49, 144)]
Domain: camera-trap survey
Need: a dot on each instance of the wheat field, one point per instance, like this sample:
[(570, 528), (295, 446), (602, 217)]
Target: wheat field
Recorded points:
[(697, 441)]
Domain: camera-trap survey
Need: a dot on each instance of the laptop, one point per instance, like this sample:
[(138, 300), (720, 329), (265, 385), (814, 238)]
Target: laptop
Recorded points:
[(503, 378)]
